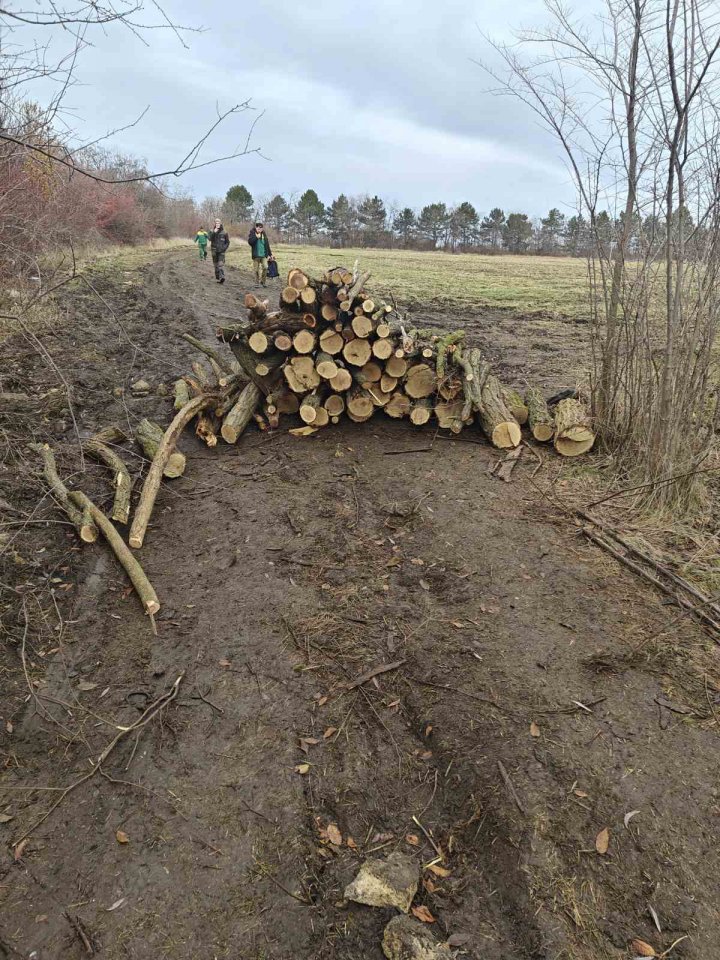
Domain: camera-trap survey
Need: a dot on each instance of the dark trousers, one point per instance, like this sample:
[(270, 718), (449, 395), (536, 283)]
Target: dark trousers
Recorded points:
[(219, 262)]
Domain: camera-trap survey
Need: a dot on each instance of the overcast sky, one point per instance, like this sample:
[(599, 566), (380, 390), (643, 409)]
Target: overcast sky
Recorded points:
[(379, 97)]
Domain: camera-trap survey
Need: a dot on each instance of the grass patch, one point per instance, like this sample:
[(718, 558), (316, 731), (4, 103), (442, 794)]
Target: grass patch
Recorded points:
[(470, 281)]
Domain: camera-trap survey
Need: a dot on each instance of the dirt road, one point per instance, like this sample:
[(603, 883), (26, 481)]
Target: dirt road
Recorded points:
[(286, 569)]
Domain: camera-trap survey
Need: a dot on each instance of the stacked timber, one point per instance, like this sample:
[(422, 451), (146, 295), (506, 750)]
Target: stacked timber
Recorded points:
[(332, 350)]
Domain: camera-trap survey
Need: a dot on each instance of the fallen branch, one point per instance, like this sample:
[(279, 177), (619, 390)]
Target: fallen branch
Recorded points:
[(228, 365), (510, 788), (81, 519), (375, 672), (142, 585), (152, 481), (148, 714), (122, 481)]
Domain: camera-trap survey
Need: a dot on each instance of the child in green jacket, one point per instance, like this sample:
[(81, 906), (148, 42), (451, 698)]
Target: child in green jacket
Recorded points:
[(201, 239)]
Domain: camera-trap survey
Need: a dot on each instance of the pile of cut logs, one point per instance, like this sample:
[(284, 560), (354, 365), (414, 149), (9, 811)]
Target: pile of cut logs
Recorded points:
[(333, 350), (329, 350)]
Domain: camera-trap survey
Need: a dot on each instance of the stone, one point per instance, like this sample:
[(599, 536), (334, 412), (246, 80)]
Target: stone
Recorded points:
[(140, 388), (386, 883), (408, 939)]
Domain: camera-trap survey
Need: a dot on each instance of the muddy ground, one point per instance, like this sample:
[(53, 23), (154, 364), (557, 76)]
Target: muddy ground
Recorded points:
[(286, 568)]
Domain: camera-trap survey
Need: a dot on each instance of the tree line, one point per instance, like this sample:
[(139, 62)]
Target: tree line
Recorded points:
[(369, 222)]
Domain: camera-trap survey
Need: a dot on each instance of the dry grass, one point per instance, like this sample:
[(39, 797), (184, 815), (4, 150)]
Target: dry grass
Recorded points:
[(471, 281)]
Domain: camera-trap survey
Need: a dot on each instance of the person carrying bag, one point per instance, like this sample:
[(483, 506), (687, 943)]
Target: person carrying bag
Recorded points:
[(260, 247)]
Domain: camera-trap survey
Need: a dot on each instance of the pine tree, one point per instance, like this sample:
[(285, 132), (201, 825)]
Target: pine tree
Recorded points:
[(342, 221), (372, 215), (517, 232), (309, 214), (493, 225), (277, 213), (404, 226), (464, 222), (433, 222), (552, 227), (238, 204)]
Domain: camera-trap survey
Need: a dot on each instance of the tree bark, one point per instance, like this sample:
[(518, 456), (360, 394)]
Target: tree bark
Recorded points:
[(515, 404), (149, 436), (498, 423), (160, 462)]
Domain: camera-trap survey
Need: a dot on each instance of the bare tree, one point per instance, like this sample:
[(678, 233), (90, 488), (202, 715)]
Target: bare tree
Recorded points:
[(633, 100)]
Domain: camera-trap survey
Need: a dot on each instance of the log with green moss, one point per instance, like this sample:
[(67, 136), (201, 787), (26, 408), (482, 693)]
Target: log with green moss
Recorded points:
[(149, 436), (540, 420)]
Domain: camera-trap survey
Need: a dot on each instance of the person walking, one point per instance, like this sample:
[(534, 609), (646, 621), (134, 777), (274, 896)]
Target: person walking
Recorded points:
[(201, 239), (260, 247), (219, 242)]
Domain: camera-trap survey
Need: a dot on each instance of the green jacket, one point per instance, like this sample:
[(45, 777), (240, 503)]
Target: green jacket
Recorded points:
[(201, 237)]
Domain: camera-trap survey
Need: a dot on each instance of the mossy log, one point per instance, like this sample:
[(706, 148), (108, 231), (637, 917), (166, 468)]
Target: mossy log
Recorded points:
[(483, 394), (540, 420), (573, 429), (149, 436), (80, 518), (515, 404)]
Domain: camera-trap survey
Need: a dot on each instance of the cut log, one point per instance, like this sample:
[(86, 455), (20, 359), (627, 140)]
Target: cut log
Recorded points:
[(329, 312), (542, 424), (357, 286), (359, 419), (308, 296), (135, 572), (573, 429), (310, 405), (325, 365), (383, 349), (258, 342), (421, 412), (205, 378), (301, 374), (379, 398), (370, 373), (388, 383), (289, 297), (309, 320), (80, 518), (396, 366), (283, 341), (450, 415), (304, 341), (357, 352), (450, 388), (515, 404), (286, 401), (249, 360), (362, 325), (182, 394), (420, 381), (368, 306), (342, 380), (497, 422), (359, 404), (206, 429), (399, 405), (149, 436), (122, 483), (158, 466), (240, 415), (347, 333), (331, 342), (335, 404), (382, 329), (297, 279)]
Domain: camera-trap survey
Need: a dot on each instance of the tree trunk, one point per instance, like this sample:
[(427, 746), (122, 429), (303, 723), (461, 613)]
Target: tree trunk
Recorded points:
[(241, 414), (540, 420), (159, 464), (573, 429), (122, 483), (249, 361), (149, 436), (498, 423)]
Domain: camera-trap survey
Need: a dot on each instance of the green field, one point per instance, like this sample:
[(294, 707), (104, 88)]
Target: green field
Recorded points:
[(524, 284)]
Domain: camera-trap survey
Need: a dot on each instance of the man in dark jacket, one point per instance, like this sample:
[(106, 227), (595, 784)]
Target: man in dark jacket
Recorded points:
[(219, 242), (260, 247)]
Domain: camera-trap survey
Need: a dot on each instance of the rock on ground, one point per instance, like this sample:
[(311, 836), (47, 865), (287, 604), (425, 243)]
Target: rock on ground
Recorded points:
[(408, 939), (386, 883)]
